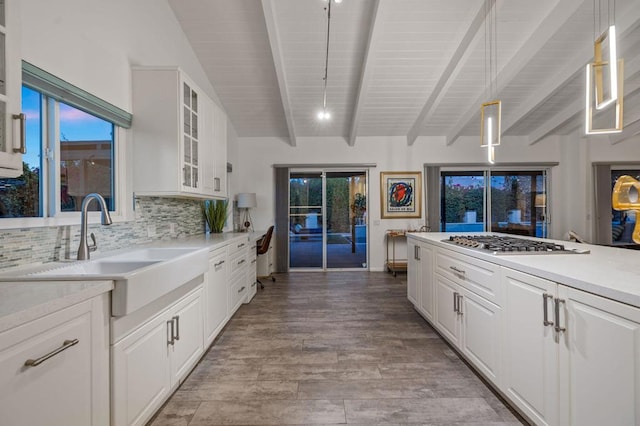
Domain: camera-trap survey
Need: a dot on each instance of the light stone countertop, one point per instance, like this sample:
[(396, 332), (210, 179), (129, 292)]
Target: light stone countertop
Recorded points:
[(21, 302), (610, 272), (24, 301)]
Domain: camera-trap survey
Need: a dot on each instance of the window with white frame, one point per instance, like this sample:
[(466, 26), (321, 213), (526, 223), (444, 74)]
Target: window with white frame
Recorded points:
[(73, 149)]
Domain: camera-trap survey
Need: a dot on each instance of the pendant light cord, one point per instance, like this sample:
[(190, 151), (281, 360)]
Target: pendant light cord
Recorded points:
[(326, 59)]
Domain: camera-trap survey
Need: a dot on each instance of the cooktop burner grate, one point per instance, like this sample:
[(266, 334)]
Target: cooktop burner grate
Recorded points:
[(510, 245)]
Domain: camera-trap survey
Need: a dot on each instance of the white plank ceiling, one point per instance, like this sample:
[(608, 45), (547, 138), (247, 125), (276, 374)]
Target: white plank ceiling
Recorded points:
[(403, 67)]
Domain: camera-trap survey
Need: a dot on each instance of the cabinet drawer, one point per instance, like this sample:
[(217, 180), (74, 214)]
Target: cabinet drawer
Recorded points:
[(238, 292), (59, 390), (475, 275), (238, 261), (238, 245)]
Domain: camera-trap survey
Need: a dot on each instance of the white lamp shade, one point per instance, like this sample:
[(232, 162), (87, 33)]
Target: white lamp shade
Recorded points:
[(247, 200)]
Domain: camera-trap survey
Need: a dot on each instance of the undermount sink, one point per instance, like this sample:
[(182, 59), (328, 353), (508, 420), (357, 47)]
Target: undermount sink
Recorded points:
[(140, 275)]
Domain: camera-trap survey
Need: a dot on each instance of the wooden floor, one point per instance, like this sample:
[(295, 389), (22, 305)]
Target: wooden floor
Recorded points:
[(332, 348)]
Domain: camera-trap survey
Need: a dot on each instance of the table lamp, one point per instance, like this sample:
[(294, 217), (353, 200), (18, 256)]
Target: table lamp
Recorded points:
[(246, 200)]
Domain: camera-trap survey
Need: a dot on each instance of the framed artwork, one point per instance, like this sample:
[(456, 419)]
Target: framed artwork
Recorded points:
[(400, 195)]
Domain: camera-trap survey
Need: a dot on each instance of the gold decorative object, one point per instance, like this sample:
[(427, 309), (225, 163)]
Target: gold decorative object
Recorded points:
[(625, 197)]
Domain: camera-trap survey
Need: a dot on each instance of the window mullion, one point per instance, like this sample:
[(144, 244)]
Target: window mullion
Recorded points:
[(53, 151), (487, 201)]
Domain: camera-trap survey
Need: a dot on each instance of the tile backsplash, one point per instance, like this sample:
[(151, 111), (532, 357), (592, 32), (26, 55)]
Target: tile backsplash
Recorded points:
[(154, 218)]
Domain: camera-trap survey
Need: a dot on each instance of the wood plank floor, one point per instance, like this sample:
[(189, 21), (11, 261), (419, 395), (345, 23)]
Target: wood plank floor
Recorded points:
[(332, 348)]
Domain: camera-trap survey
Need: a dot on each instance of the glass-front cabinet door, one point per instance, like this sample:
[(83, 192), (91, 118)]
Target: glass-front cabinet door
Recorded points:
[(12, 122), (191, 136)]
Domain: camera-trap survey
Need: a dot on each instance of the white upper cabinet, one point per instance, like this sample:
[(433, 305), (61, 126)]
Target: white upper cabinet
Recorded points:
[(12, 123), (214, 164), (220, 152), (173, 135)]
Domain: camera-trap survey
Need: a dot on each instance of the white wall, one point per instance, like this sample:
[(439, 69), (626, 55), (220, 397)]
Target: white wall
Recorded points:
[(93, 43), (254, 171)]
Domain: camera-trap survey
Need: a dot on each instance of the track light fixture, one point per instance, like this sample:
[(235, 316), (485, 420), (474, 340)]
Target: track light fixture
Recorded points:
[(325, 115)]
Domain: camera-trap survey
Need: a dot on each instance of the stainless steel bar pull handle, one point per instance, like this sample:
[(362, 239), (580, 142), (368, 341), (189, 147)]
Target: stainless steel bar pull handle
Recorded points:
[(215, 265), (171, 326), (241, 262), (455, 301), (241, 288), (460, 271), (23, 132), (416, 252), (65, 345), (545, 311), (557, 327), (177, 320)]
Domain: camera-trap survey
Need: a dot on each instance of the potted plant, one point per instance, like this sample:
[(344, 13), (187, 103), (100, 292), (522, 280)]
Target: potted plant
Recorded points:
[(215, 214)]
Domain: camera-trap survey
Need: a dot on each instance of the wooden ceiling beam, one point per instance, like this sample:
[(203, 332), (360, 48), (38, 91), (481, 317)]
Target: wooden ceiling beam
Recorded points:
[(278, 63), (628, 23), (537, 40), (571, 118), (367, 68), (459, 57)]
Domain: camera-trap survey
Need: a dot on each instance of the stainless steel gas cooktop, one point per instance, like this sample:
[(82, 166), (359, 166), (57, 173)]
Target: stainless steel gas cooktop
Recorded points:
[(511, 245)]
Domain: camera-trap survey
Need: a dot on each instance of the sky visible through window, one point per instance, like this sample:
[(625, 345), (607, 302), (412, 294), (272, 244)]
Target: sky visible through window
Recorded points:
[(75, 125)]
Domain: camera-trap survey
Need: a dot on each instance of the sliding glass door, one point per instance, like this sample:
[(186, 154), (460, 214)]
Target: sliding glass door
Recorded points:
[(327, 219), (306, 220), (508, 201)]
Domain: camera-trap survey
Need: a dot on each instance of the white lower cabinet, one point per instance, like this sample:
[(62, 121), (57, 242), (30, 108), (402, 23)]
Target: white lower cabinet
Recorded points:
[(471, 323), (54, 370), (599, 361), (447, 319), (414, 275), (577, 365), (251, 273), (149, 362), (420, 280), (480, 342), (561, 356), (530, 362), (215, 295)]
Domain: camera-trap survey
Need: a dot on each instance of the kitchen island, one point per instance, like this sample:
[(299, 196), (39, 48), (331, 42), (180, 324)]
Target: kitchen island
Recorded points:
[(558, 335)]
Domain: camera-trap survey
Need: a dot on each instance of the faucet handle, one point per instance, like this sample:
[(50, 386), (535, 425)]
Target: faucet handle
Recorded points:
[(94, 246)]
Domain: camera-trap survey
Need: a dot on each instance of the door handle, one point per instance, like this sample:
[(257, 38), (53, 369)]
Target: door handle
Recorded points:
[(416, 252), (455, 301), (545, 310), (171, 326), (177, 319), (557, 327), (23, 132), (65, 345)]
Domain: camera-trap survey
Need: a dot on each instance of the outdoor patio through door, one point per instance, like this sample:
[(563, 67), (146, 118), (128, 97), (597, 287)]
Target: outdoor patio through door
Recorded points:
[(327, 219)]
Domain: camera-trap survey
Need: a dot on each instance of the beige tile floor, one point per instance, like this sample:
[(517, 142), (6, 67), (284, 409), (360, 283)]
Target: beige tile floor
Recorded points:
[(332, 348)]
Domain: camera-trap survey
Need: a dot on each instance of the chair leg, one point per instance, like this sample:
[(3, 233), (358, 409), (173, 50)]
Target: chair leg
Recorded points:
[(260, 282)]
